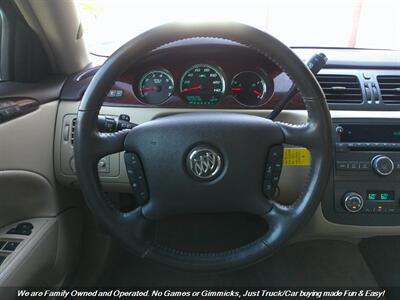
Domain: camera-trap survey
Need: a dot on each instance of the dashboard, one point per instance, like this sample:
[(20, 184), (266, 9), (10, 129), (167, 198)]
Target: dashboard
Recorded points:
[(206, 76), (361, 87), (205, 73)]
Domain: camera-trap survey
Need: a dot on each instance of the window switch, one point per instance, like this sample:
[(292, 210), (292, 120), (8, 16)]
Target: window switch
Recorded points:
[(12, 231), (25, 226), (19, 231), (11, 246), (25, 232), (2, 258), (22, 228)]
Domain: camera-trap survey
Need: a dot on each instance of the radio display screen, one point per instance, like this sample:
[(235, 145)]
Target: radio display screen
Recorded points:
[(357, 133), (380, 195)]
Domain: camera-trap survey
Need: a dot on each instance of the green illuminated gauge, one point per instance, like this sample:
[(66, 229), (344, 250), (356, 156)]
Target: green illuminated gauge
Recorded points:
[(156, 86), (249, 88), (202, 85)]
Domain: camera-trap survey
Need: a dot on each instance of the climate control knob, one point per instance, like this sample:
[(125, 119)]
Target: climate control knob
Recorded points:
[(353, 202), (382, 165)]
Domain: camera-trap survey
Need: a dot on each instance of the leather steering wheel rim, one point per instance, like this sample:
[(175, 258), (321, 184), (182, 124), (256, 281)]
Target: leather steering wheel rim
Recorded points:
[(284, 221)]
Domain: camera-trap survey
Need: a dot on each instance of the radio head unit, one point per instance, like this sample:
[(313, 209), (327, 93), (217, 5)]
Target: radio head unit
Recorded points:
[(366, 172), (369, 133), (367, 136)]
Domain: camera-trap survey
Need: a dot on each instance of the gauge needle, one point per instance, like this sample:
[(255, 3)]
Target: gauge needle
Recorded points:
[(256, 92), (154, 88), (236, 89), (193, 88)]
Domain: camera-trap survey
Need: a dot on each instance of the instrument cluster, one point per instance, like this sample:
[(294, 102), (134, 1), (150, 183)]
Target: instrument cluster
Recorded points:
[(202, 74), (204, 84)]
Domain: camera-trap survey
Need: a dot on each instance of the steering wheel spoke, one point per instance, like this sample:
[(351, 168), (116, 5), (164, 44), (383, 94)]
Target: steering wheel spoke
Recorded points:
[(135, 223), (282, 221), (109, 143), (299, 135)]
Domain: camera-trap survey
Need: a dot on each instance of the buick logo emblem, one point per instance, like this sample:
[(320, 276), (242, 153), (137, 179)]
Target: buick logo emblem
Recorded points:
[(204, 163)]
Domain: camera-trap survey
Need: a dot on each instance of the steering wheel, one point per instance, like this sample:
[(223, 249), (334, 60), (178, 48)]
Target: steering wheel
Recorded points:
[(203, 162)]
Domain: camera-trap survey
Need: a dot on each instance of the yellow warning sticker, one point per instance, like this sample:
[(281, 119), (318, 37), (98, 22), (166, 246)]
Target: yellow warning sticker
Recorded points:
[(296, 157)]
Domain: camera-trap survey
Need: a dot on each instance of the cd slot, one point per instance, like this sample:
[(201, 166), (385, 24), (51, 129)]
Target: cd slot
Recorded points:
[(344, 147)]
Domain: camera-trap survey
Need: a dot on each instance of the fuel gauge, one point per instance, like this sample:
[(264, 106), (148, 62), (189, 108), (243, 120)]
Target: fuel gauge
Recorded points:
[(249, 88), (156, 86)]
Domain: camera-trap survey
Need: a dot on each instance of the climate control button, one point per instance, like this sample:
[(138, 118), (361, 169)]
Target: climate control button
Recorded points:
[(353, 202), (382, 165)]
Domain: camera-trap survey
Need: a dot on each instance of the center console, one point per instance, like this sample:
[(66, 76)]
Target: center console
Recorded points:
[(366, 176)]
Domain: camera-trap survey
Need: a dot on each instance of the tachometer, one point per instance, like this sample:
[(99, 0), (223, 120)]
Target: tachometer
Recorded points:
[(156, 86), (249, 88), (202, 84)]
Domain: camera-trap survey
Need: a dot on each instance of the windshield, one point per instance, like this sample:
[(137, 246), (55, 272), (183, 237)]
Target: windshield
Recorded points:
[(298, 23)]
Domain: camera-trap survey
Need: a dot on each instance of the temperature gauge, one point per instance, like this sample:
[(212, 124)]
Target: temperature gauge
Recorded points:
[(249, 88)]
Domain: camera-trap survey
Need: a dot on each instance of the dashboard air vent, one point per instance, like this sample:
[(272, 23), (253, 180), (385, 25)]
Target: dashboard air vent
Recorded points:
[(390, 89), (341, 88), (73, 130)]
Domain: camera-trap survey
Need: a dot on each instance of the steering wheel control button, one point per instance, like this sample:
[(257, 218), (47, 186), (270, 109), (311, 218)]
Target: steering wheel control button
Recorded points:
[(382, 165), (204, 163), (353, 202), (136, 177), (273, 171)]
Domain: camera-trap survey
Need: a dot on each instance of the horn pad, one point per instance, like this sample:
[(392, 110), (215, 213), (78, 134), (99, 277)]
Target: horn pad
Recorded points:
[(204, 162)]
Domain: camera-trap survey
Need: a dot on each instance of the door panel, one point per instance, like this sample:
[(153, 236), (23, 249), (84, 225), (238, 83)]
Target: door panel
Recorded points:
[(29, 191)]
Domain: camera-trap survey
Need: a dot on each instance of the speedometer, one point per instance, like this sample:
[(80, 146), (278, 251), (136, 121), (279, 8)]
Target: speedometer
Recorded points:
[(202, 84)]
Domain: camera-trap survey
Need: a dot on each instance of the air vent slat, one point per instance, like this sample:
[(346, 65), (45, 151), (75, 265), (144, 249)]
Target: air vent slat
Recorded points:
[(390, 86), (341, 88), (391, 96), (344, 96), (350, 90), (389, 78), (336, 83), (390, 89)]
